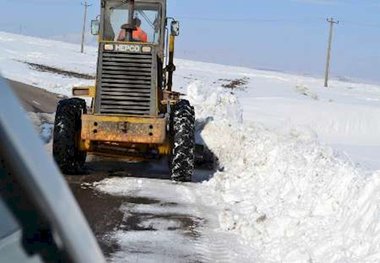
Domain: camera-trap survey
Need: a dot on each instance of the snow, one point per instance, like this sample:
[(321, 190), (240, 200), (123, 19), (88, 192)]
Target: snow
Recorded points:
[(291, 198), (16, 49), (178, 225), (299, 177), (343, 115)]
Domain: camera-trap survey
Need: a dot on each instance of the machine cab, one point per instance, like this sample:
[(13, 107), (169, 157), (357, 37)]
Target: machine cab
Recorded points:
[(146, 18), (130, 74)]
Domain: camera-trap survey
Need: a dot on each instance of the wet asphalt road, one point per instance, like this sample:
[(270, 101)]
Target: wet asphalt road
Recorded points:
[(34, 99)]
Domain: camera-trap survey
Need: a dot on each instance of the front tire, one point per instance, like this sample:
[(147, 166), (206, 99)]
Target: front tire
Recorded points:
[(183, 132), (67, 129)]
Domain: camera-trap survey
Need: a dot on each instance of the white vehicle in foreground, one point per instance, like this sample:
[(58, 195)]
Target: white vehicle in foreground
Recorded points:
[(40, 220)]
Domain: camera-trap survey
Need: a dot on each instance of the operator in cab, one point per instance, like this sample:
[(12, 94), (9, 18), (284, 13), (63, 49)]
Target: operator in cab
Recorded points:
[(137, 35)]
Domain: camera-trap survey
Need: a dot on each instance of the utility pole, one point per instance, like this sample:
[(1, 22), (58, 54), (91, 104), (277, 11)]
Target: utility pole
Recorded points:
[(332, 22), (84, 24)]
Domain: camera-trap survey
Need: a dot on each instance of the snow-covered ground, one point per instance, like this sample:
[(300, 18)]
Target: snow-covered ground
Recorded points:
[(16, 51), (299, 181)]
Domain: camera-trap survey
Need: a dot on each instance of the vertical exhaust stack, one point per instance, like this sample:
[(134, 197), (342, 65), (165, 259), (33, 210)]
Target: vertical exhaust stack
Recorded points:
[(131, 25), (171, 67)]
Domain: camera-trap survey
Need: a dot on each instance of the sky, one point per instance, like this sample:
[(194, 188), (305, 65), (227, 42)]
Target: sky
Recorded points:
[(285, 35)]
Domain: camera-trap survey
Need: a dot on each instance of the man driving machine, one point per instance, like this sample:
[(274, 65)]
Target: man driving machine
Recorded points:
[(138, 34)]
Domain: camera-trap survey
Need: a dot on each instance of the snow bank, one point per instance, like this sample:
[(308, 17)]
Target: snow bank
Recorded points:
[(290, 198)]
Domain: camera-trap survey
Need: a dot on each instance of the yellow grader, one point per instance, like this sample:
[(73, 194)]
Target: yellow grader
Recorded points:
[(134, 111)]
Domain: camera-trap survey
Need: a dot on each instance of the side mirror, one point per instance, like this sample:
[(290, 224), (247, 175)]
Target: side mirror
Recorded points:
[(95, 25), (175, 28)]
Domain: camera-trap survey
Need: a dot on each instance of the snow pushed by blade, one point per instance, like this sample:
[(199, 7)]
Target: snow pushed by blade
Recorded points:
[(290, 198), (171, 223)]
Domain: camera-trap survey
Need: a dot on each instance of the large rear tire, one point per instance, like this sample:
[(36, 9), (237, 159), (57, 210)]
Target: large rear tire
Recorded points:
[(67, 128), (183, 132)]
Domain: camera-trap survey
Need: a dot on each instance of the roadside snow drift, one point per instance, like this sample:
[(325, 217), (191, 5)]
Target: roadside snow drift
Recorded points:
[(290, 198)]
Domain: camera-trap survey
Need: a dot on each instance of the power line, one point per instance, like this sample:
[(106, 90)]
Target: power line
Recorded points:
[(277, 21), (359, 24), (252, 19)]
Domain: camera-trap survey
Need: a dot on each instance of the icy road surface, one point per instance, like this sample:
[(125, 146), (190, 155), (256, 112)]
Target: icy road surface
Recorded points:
[(139, 215)]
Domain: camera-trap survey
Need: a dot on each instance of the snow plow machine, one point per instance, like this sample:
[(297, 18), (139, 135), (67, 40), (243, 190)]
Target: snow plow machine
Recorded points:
[(134, 112)]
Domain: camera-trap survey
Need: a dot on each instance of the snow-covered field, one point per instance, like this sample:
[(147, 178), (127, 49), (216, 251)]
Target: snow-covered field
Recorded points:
[(299, 179), (16, 51)]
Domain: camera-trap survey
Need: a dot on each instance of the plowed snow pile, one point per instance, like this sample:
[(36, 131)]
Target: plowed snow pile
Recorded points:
[(290, 198)]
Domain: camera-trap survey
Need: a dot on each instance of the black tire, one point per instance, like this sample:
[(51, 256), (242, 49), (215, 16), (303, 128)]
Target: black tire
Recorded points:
[(183, 137), (67, 128)]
